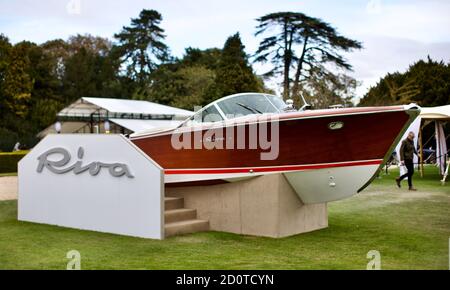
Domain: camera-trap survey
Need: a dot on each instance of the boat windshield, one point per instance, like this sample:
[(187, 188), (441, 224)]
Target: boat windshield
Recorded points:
[(237, 106), (246, 104)]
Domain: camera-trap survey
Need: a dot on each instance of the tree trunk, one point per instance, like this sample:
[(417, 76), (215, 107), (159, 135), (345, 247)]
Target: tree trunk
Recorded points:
[(141, 66), (287, 63), (286, 92), (298, 73)]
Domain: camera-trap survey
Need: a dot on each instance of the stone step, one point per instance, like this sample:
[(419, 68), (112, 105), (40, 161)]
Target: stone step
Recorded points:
[(180, 214), (173, 203), (186, 227)]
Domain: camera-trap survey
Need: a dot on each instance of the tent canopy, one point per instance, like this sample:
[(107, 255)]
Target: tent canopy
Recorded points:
[(436, 113), (143, 125), (86, 108), (136, 107), (438, 116), (133, 115)]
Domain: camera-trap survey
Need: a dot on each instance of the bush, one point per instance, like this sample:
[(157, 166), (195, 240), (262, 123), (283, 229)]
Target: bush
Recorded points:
[(7, 139), (9, 160)]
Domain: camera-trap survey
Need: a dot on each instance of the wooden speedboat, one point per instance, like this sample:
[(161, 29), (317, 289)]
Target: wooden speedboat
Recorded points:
[(325, 155)]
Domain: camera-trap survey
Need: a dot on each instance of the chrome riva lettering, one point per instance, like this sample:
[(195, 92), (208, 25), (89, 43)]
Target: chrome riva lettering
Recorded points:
[(94, 168)]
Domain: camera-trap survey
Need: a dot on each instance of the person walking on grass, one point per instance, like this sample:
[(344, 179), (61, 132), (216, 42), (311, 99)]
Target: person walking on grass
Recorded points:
[(407, 151)]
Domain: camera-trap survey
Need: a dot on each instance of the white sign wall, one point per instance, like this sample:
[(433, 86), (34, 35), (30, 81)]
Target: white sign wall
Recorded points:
[(93, 182)]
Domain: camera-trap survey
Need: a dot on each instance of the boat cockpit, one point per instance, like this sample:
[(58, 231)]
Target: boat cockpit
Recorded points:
[(236, 106), (227, 108)]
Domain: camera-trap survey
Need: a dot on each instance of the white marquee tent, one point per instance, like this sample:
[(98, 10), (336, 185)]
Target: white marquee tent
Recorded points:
[(436, 113), (87, 115), (439, 116)]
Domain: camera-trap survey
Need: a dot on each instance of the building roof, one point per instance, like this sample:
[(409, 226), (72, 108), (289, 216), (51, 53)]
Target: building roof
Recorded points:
[(121, 109)]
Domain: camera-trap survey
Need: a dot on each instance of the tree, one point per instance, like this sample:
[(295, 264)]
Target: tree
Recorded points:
[(403, 93), (141, 45), (87, 66), (432, 81), (94, 44), (208, 58), (324, 90), (46, 94), (193, 82), (234, 73), (36, 81), (5, 49), (18, 83), (202, 76), (29, 90), (300, 43), (57, 52), (80, 75), (425, 83), (179, 85)]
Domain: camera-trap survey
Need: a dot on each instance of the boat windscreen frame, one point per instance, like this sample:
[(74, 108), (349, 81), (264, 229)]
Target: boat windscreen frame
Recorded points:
[(222, 114)]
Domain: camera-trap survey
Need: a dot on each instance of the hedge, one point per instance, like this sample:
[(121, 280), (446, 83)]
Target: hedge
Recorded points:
[(9, 160)]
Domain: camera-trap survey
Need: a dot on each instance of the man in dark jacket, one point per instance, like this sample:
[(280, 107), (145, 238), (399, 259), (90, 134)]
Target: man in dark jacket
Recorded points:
[(407, 151)]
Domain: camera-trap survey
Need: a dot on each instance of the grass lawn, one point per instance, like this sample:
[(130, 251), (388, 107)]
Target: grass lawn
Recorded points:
[(411, 230), (8, 174)]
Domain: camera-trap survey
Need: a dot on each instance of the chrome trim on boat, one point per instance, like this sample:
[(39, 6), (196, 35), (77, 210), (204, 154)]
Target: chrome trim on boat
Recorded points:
[(223, 124)]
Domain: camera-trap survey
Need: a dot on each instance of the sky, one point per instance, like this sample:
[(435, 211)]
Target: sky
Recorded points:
[(394, 33)]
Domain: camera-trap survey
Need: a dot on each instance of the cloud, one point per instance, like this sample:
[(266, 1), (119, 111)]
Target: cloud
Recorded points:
[(413, 19), (383, 54), (394, 33)]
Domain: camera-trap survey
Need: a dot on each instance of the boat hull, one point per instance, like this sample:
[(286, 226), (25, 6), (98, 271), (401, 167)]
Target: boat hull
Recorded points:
[(321, 163), (332, 183)]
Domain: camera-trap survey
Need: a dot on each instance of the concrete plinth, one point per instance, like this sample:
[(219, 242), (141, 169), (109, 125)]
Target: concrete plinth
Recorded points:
[(261, 206)]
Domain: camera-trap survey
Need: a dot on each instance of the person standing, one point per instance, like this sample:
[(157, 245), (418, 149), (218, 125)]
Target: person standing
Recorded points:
[(16, 147), (407, 151)]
